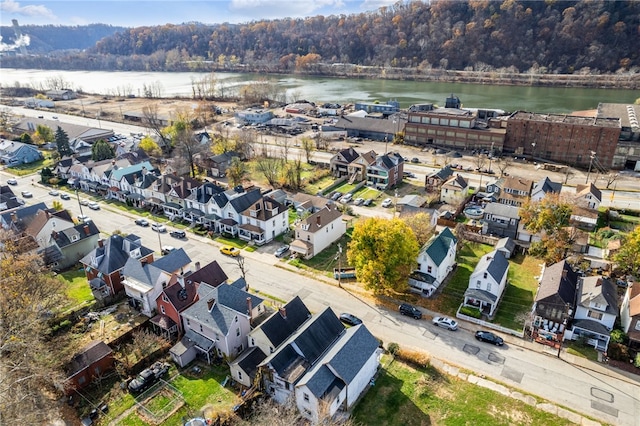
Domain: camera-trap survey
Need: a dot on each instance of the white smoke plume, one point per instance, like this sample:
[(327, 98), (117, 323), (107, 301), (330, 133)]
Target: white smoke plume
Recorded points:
[(21, 41)]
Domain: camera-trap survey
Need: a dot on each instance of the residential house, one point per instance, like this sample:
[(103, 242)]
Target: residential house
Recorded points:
[(487, 283), (200, 204), (318, 231), (437, 258), (543, 187), (495, 186), (507, 246), (583, 217), (62, 167), (554, 303), (176, 196), (18, 219), (211, 274), (588, 196), (515, 191), (13, 153), (630, 315), (8, 199), (454, 191), (500, 220), (434, 181), (341, 164), (306, 203), (103, 266), (143, 283), (93, 361), (340, 376), (230, 205), (263, 221), (217, 165), (386, 172), (65, 247), (596, 311), (266, 337), (218, 323)]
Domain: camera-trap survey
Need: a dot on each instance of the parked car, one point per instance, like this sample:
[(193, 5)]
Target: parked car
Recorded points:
[(282, 251), (148, 377), (65, 196), (489, 337), (93, 205), (230, 251), (83, 218), (415, 160), (158, 227), (336, 195), (346, 198), (142, 222), (27, 194), (350, 319), (410, 311), (12, 181), (84, 202), (446, 323), (178, 234), (367, 202), (386, 202), (167, 249), (54, 193), (358, 201)]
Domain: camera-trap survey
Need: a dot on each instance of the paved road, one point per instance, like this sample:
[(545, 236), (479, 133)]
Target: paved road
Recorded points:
[(586, 387)]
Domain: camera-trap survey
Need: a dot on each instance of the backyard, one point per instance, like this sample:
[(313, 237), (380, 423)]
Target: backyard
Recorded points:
[(406, 395), (76, 288)]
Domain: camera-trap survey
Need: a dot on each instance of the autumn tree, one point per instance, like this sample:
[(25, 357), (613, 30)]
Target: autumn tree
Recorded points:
[(628, 257), (384, 253), (43, 134), (148, 145), (549, 217), (308, 146), (270, 169), (30, 360), (236, 172), (420, 224), (62, 143), (102, 150)]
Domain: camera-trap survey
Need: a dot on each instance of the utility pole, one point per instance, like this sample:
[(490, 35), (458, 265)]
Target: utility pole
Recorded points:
[(339, 265), (79, 203), (593, 155)]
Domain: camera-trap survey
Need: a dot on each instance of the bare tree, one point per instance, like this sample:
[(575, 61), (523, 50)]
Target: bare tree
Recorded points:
[(286, 146), (568, 174), (153, 121), (322, 143), (308, 146), (503, 164), (183, 139), (480, 161), (270, 168), (611, 178), (242, 267)]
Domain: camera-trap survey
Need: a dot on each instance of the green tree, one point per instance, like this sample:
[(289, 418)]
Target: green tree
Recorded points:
[(549, 217), (384, 253), (26, 138), (45, 175), (628, 257), (236, 172), (62, 143), (43, 134), (183, 140), (102, 150), (148, 145)]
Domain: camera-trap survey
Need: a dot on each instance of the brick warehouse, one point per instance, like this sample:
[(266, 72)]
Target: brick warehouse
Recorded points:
[(563, 138)]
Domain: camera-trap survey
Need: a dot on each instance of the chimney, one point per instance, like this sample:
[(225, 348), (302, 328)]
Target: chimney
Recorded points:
[(197, 266), (87, 231), (14, 217), (54, 234), (100, 242), (599, 282), (283, 312), (181, 280), (249, 309), (564, 274), (210, 303), (318, 221)]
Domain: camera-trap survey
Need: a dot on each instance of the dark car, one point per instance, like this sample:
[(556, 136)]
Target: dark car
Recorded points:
[(489, 337), (178, 234), (367, 202), (142, 222), (350, 319), (281, 251), (64, 196), (410, 311), (415, 160), (148, 377)]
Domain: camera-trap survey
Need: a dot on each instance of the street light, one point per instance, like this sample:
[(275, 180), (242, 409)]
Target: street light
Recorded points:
[(533, 151), (592, 156)]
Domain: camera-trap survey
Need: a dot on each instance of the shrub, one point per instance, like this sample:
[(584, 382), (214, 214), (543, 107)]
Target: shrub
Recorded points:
[(417, 358), (618, 336), (618, 352), (637, 360), (472, 312), (393, 348)]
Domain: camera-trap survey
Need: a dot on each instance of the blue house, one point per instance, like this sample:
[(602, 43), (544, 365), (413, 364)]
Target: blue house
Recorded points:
[(13, 153)]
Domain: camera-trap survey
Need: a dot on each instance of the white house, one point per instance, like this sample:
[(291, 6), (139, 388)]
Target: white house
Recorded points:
[(596, 311), (630, 314), (436, 260), (454, 190), (263, 220), (143, 282), (218, 323), (543, 187), (340, 376), (487, 283), (588, 196), (318, 231)]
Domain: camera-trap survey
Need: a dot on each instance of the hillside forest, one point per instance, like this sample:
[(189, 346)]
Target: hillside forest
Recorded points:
[(560, 37)]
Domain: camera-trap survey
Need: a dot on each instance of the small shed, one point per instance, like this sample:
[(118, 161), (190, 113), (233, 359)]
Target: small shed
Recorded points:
[(92, 362), (507, 246)]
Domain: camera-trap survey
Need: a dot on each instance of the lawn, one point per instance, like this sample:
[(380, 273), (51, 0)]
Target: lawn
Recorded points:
[(325, 261), (404, 395), (76, 287), (27, 169)]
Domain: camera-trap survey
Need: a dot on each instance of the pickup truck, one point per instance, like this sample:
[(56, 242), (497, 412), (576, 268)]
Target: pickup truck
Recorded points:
[(148, 377)]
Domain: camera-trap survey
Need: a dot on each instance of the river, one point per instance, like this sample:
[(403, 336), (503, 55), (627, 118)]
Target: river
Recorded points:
[(337, 90)]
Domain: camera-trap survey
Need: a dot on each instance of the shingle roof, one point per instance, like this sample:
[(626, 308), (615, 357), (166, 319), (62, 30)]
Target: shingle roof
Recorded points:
[(503, 210), (244, 201), (438, 247), (558, 279), (443, 173), (495, 264), (173, 261), (82, 231), (182, 297), (589, 189), (278, 328), (23, 213), (211, 274), (250, 359), (599, 290), (114, 257), (323, 217), (94, 351), (546, 185)]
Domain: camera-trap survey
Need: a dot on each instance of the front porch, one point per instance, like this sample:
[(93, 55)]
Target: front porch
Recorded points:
[(171, 210), (483, 300), (594, 334), (253, 233)]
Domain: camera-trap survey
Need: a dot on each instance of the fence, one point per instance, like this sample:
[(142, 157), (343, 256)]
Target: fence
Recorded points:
[(489, 325)]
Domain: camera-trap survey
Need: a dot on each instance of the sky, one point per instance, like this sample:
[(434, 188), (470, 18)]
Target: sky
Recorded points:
[(158, 12)]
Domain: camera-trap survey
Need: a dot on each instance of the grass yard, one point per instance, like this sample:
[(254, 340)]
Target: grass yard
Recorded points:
[(404, 395), (579, 349), (27, 169), (325, 261), (76, 287)]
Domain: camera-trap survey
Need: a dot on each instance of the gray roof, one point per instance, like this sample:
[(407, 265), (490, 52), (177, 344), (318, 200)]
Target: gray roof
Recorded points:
[(442, 174), (599, 290), (482, 295), (281, 324), (506, 243), (24, 212), (591, 325), (82, 231), (558, 279), (494, 263), (248, 361), (438, 247), (112, 255), (546, 185), (94, 351), (246, 200), (173, 261), (504, 210)]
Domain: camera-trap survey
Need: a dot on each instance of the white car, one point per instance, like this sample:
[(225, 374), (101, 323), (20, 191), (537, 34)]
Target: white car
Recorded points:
[(158, 227), (358, 201), (93, 205), (12, 181), (445, 323), (386, 202), (83, 218), (346, 198)]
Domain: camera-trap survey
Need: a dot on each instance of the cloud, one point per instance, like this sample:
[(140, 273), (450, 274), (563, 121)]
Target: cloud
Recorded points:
[(10, 6), (21, 41), (270, 9), (376, 4)]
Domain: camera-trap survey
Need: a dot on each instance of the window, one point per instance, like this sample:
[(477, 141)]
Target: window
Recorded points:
[(188, 321), (429, 268), (306, 396), (82, 380), (200, 327), (595, 315), (238, 331), (637, 325), (239, 375), (162, 309), (307, 412), (478, 283), (236, 319), (488, 286), (164, 298), (97, 370), (484, 275), (253, 341)]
